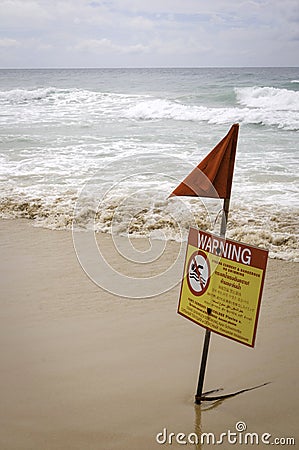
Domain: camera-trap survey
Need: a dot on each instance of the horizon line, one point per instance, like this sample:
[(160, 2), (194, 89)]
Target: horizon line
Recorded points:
[(148, 67)]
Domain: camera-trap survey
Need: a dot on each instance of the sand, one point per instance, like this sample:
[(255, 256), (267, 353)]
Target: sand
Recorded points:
[(84, 369)]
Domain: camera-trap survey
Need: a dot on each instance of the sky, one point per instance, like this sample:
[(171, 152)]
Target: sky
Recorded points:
[(148, 33)]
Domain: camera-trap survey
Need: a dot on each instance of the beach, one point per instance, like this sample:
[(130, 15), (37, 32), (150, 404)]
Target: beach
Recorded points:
[(94, 355), (84, 369)]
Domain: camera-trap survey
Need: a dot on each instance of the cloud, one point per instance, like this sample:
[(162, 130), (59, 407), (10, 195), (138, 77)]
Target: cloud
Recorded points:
[(140, 23), (151, 33), (105, 45), (17, 13), (8, 43)]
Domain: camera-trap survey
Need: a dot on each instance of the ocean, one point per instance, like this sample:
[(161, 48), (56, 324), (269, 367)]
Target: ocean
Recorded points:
[(110, 145)]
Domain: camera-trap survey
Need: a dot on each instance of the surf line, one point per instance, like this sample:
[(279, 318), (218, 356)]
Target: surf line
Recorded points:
[(220, 247)]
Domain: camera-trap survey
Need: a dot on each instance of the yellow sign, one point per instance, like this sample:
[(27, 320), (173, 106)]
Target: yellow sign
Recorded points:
[(222, 285)]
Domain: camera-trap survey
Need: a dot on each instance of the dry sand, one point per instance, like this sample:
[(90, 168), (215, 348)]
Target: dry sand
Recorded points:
[(84, 369)]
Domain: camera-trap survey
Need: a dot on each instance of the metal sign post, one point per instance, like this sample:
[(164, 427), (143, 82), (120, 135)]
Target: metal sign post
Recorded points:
[(206, 344)]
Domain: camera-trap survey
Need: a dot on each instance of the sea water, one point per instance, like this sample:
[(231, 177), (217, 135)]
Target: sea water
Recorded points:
[(121, 140)]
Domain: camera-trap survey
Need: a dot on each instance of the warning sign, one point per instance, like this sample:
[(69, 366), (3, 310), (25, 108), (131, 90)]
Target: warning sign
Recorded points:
[(222, 285)]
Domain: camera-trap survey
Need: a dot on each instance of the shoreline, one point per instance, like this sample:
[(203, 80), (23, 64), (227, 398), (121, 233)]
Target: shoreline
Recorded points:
[(82, 368)]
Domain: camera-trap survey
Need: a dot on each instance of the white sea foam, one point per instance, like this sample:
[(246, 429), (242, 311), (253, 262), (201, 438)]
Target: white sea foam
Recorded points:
[(70, 107), (23, 95), (66, 97), (261, 105), (147, 215), (268, 98)]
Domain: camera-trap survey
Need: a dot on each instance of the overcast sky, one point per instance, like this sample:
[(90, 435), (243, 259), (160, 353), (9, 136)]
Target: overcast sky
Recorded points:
[(148, 33)]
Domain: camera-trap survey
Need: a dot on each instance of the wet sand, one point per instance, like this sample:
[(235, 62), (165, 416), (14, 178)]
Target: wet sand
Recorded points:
[(84, 369)]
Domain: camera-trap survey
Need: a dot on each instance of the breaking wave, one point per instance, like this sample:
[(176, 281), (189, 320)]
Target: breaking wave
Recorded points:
[(20, 96), (258, 225), (254, 105), (266, 106), (268, 98)]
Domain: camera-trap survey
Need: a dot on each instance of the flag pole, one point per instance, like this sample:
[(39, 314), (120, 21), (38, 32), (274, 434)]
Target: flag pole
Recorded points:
[(218, 167), (206, 344), (225, 210), (203, 365), (224, 217)]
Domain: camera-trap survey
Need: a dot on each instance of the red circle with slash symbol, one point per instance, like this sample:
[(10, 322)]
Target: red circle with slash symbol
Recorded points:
[(198, 273)]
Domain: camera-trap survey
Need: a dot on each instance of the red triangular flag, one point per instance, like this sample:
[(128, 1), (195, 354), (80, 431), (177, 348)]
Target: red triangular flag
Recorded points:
[(213, 176)]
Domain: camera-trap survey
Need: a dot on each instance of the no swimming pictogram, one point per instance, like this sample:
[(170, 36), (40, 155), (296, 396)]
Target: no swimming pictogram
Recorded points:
[(198, 273)]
